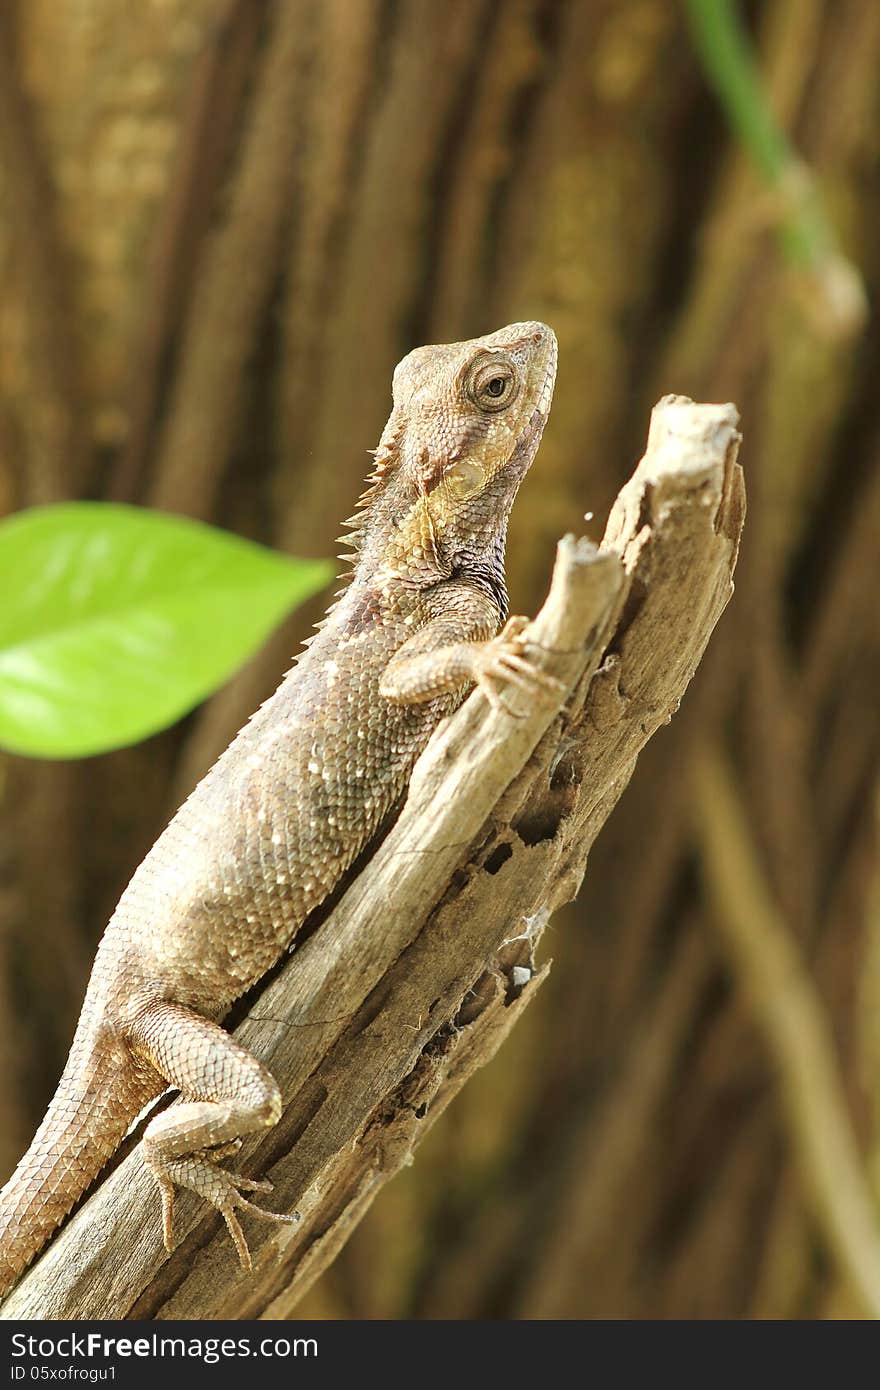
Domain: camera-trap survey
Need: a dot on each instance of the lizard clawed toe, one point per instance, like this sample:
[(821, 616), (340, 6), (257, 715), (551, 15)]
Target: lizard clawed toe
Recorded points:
[(504, 661), (236, 1201), (166, 1192), (223, 1190), (514, 628), (497, 700), (521, 672)]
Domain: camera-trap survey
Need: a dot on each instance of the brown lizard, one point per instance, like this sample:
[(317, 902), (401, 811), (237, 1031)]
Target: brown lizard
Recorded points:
[(269, 832)]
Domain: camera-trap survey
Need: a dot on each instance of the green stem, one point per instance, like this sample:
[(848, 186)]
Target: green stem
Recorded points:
[(728, 61)]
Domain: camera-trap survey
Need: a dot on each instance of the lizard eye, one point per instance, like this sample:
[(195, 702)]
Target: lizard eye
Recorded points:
[(464, 479), (492, 383)]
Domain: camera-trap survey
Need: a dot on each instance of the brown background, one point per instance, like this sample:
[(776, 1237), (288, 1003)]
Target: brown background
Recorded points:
[(221, 224)]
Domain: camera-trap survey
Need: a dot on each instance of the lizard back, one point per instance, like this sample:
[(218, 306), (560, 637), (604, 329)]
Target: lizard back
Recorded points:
[(270, 830)]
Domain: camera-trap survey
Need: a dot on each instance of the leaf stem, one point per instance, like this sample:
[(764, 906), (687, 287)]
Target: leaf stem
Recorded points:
[(806, 236)]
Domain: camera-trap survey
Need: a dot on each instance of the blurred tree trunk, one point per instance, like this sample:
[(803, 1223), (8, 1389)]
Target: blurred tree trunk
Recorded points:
[(221, 224)]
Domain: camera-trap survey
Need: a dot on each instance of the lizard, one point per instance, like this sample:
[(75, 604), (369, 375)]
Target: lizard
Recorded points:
[(272, 828)]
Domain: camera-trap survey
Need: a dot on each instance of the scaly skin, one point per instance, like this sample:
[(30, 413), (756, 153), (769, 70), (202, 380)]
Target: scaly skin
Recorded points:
[(284, 812)]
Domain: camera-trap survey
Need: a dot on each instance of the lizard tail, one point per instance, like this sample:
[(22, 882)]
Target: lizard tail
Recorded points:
[(97, 1099)]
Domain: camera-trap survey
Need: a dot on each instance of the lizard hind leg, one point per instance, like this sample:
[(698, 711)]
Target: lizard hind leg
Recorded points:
[(226, 1095)]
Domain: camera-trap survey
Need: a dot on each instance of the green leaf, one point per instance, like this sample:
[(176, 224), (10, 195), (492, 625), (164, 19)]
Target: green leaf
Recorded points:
[(114, 621)]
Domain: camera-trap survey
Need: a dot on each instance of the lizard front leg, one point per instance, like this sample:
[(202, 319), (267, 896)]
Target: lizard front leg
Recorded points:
[(431, 663), (227, 1094)]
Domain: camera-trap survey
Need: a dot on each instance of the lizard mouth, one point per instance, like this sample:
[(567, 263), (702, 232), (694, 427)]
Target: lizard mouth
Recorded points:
[(545, 395), (527, 445)]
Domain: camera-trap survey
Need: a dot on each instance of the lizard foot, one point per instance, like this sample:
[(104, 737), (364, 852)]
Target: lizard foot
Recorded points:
[(224, 1190), (503, 661)]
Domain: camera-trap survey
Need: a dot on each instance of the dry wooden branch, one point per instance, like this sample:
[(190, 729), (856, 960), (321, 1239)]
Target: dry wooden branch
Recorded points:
[(427, 960)]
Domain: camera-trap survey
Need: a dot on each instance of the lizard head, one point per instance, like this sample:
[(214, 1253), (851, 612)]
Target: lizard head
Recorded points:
[(465, 426)]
